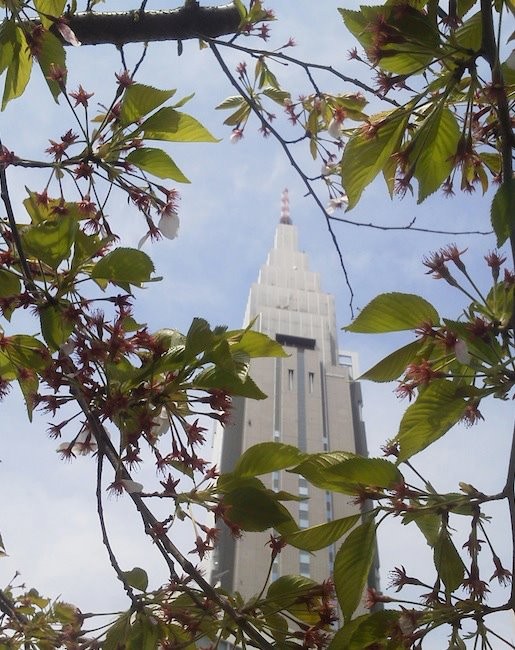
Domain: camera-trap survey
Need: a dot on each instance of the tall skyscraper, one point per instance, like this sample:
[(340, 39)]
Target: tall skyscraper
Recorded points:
[(313, 403)]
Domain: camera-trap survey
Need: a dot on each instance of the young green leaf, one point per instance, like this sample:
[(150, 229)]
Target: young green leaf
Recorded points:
[(434, 412), (366, 631), (56, 328), (125, 265), (51, 241), (10, 284), (267, 457), (136, 578), (351, 567), (255, 344), (156, 162), (47, 8), (351, 474), (503, 211), (314, 468), (393, 366), (367, 152), (174, 126), (254, 509), (139, 100), (229, 381), (19, 67), (51, 53), (323, 535), (394, 312), (434, 144), (290, 593), (448, 563)]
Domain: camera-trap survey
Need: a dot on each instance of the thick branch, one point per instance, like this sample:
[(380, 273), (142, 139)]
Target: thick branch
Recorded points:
[(119, 28)]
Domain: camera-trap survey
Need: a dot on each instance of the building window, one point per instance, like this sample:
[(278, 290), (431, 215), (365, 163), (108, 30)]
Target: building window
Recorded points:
[(303, 487), (277, 435), (290, 379), (311, 381), (303, 506), (275, 572), (303, 520), (304, 569), (275, 481)]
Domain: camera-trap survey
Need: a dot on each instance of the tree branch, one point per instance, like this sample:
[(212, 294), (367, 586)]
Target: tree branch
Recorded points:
[(119, 28), (166, 546)]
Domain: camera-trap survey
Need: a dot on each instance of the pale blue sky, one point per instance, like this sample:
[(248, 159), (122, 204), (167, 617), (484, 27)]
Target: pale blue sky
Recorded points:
[(228, 217)]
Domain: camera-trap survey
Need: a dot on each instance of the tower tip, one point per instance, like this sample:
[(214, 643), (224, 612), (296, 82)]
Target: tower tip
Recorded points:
[(285, 208)]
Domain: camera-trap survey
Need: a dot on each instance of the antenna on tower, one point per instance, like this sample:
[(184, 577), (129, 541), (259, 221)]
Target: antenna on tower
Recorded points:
[(285, 208)]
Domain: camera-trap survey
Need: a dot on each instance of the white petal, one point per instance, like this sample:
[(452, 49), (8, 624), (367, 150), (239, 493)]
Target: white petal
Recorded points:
[(143, 240), (169, 225), (131, 486), (161, 423), (461, 352), (334, 129)]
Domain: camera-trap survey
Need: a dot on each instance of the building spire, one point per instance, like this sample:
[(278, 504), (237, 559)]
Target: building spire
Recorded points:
[(285, 208)]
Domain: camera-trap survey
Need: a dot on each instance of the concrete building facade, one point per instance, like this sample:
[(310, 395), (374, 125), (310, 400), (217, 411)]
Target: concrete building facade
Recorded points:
[(313, 403)]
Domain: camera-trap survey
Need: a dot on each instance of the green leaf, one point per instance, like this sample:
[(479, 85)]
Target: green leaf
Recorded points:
[(351, 567), (124, 265), (469, 35), (56, 328), (136, 578), (267, 457), (51, 51), (25, 351), (231, 102), (323, 535), (291, 593), (256, 344), (19, 68), (414, 35), (254, 509), (46, 8), (367, 152), (29, 385), (229, 381), (117, 633), (139, 100), (503, 211), (434, 412), (174, 126), (448, 563), (365, 631), (394, 312), (10, 284), (51, 241), (428, 524), (199, 339), (277, 95), (156, 162), (434, 144), (351, 474), (315, 467), (393, 366)]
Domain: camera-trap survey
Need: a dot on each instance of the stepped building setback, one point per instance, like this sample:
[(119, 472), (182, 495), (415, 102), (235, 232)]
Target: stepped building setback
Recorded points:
[(313, 403)]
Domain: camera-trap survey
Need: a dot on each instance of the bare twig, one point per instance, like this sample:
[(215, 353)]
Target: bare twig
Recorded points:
[(293, 163), (166, 546), (4, 192), (411, 227), (105, 538), (280, 56)]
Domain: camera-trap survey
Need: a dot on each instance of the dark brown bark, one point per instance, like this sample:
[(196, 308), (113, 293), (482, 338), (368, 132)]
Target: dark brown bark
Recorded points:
[(190, 21)]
